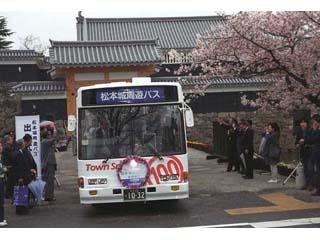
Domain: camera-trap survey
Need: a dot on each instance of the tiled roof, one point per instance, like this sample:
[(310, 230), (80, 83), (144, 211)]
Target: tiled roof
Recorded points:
[(39, 87), (190, 81), (109, 53), (19, 55), (173, 32)]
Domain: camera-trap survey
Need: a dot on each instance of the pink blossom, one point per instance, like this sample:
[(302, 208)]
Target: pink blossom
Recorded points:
[(284, 46)]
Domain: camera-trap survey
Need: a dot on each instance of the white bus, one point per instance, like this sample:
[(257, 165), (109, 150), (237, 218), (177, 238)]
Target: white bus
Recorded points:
[(132, 142)]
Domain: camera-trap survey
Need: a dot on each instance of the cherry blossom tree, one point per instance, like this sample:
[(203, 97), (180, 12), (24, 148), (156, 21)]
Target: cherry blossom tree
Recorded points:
[(281, 46)]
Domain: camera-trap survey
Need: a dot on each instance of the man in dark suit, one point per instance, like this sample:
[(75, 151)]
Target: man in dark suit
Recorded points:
[(232, 128), (32, 166), (247, 149), (313, 139), (304, 152)]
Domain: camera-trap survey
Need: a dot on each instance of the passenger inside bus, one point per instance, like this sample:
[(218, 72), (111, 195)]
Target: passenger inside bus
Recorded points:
[(103, 135)]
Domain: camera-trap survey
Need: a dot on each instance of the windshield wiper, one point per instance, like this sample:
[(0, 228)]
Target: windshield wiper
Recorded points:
[(155, 152), (107, 159)]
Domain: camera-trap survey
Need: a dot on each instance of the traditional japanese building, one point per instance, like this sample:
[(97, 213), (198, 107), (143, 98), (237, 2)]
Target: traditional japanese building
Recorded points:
[(117, 49), (86, 63), (28, 74)]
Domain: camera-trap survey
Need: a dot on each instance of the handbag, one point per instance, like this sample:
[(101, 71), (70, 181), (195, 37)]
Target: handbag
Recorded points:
[(20, 195)]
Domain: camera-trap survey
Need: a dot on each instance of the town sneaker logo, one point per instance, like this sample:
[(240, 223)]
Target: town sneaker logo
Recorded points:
[(133, 172), (101, 167), (171, 165)]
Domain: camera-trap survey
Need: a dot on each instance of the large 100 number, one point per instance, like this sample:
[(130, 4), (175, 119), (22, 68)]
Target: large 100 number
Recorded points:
[(172, 166)]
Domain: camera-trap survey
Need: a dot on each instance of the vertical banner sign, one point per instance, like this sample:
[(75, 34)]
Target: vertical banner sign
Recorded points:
[(30, 125)]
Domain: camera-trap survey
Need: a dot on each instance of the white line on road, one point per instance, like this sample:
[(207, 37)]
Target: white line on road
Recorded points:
[(221, 225), (286, 223), (269, 224)]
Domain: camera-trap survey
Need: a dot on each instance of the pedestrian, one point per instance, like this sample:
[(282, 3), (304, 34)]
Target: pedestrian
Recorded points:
[(7, 158), (22, 169), (313, 139), (27, 139), (239, 137), (232, 129), (3, 169), (49, 164), (304, 152), (247, 148), (271, 151)]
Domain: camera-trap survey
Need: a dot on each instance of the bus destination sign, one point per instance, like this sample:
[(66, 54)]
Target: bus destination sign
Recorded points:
[(131, 95)]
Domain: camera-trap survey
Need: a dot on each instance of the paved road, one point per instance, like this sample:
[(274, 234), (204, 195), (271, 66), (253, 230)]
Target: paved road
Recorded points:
[(216, 198)]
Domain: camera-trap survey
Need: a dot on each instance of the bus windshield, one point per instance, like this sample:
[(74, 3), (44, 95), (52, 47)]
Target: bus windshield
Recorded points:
[(116, 132)]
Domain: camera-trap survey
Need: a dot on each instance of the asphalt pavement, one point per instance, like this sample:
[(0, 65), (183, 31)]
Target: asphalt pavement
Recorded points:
[(216, 197)]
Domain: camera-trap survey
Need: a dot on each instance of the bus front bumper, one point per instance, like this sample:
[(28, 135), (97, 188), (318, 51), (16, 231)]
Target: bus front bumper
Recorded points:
[(107, 195)]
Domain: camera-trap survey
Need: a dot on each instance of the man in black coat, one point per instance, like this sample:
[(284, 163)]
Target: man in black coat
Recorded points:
[(21, 165), (247, 149), (304, 152), (22, 170), (232, 151), (27, 154), (313, 139)]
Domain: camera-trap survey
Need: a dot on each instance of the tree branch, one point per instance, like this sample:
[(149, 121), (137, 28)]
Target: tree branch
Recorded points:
[(311, 18), (277, 61)]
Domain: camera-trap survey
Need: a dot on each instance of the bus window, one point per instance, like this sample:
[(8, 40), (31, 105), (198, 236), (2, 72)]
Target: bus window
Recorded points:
[(116, 132)]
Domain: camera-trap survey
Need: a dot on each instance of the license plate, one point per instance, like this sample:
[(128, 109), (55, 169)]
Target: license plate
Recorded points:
[(134, 194)]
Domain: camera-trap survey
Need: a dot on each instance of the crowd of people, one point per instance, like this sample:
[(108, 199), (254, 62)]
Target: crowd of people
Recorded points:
[(239, 146), (18, 167), (240, 149)]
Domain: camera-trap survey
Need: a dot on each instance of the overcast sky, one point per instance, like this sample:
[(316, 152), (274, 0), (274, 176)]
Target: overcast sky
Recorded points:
[(56, 19)]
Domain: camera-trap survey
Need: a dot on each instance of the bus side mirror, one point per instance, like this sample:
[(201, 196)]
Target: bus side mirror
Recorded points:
[(71, 123), (189, 118)]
